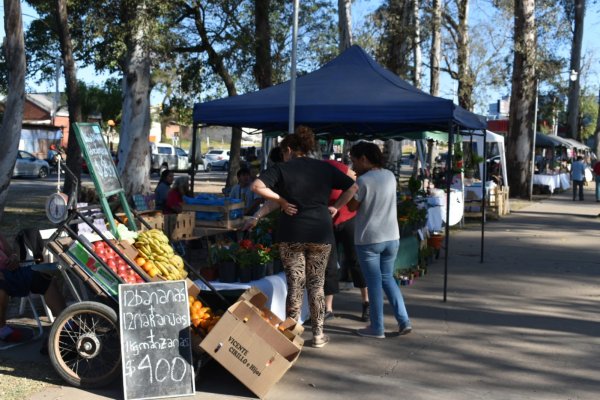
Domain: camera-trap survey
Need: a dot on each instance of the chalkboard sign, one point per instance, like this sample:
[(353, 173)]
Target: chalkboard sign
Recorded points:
[(98, 158), (103, 170), (156, 345)]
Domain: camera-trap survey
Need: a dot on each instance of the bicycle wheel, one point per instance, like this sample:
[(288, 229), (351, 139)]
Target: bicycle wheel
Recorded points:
[(84, 345)]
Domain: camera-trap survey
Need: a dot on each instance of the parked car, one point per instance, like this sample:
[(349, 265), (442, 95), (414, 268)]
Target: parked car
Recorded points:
[(28, 165), (216, 159), (165, 156)]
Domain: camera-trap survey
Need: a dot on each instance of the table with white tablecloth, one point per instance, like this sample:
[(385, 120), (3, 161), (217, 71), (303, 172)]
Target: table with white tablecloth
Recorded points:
[(436, 210), (553, 181), (273, 286)]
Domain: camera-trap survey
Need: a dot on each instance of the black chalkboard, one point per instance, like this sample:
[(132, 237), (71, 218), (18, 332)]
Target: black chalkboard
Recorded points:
[(98, 158), (155, 340)]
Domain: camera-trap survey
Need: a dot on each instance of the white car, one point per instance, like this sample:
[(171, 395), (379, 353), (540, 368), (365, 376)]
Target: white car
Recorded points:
[(216, 159), (28, 165)]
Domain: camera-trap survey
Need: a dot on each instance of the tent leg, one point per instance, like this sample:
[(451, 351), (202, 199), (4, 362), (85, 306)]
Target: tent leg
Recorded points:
[(448, 186)]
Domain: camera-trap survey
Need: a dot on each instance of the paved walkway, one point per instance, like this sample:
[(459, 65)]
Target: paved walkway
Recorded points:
[(522, 325)]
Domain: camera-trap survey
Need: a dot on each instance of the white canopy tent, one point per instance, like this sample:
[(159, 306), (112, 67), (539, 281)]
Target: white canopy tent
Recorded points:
[(491, 137)]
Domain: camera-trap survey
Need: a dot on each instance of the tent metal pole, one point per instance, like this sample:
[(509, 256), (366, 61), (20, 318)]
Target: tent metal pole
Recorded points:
[(448, 187), (483, 192), (292, 112)]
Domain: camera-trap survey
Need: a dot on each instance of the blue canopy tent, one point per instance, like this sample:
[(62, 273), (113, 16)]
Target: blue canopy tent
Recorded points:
[(351, 96)]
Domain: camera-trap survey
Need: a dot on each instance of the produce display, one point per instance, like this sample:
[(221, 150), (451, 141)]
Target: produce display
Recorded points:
[(202, 318), (157, 257), (117, 264)]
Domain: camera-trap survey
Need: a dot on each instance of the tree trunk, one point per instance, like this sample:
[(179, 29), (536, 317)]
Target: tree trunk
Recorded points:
[(73, 103), (416, 44), (597, 131), (573, 103), (215, 60), (522, 100), (263, 70), (397, 38), (10, 130), (134, 147), (436, 46), (465, 79), (344, 24)]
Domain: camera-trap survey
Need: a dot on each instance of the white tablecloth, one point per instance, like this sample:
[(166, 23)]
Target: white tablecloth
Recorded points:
[(552, 181), (473, 192), (436, 210), (273, 286)]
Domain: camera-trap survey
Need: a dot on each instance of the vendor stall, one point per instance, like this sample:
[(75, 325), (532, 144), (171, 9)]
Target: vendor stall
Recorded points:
[(351, 96), (552, 181)]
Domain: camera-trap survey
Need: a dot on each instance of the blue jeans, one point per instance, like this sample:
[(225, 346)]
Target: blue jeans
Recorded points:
[(597, 179), (377, 264)]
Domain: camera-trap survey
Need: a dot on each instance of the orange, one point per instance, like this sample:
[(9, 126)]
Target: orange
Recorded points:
[(197, 305), (191, 299), (140, 261), (195, 322)]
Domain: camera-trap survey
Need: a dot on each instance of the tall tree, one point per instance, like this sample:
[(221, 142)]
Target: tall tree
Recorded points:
[(459, 34), (597, 130), (73, 103), (345, 24), (578, 14), (522, 100), (135, 123), (436, 48), (10, 130), (394, 17), (416, 44), (263, 69)]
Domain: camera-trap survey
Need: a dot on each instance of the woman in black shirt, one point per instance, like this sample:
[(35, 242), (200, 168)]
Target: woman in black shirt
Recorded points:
[(301, 187)]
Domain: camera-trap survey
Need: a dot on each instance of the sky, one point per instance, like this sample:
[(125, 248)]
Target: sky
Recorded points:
[(360, 8)]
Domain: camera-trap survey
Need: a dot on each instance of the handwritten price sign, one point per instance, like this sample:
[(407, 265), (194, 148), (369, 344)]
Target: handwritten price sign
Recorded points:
[(155, 340)]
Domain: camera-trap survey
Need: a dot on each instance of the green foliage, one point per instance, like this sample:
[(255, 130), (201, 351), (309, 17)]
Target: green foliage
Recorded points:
[(409, 215), (106, 100), (588, 114)]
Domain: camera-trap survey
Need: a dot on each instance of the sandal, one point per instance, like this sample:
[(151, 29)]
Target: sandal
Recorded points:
[(320, 341)]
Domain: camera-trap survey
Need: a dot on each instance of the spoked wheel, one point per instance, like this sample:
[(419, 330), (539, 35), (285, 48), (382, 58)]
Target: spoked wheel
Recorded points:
[(84, 345)]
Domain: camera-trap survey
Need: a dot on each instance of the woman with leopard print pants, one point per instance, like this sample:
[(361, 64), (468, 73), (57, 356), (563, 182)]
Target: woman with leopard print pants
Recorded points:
[(301, 186)]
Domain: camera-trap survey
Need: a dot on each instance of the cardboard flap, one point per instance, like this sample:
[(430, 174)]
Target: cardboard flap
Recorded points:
[(255, 297), (292, 326)]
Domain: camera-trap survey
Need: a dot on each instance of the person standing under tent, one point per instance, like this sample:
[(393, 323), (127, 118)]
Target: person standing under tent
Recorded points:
[(377, 236), (242, 191), (343, 230), (301, 186)]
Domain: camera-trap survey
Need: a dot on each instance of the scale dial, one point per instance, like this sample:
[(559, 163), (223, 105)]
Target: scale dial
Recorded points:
[(56, 207)]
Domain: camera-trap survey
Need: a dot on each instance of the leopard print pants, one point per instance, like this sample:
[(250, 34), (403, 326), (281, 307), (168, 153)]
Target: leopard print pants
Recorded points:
[(304, 265)]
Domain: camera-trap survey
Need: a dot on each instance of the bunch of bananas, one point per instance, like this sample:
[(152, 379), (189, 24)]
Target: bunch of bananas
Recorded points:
[(154, 246)]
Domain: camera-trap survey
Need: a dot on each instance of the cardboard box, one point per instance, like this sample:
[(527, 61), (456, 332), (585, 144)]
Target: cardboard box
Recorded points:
[(179, 226), (253, 349), (223, 215)]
